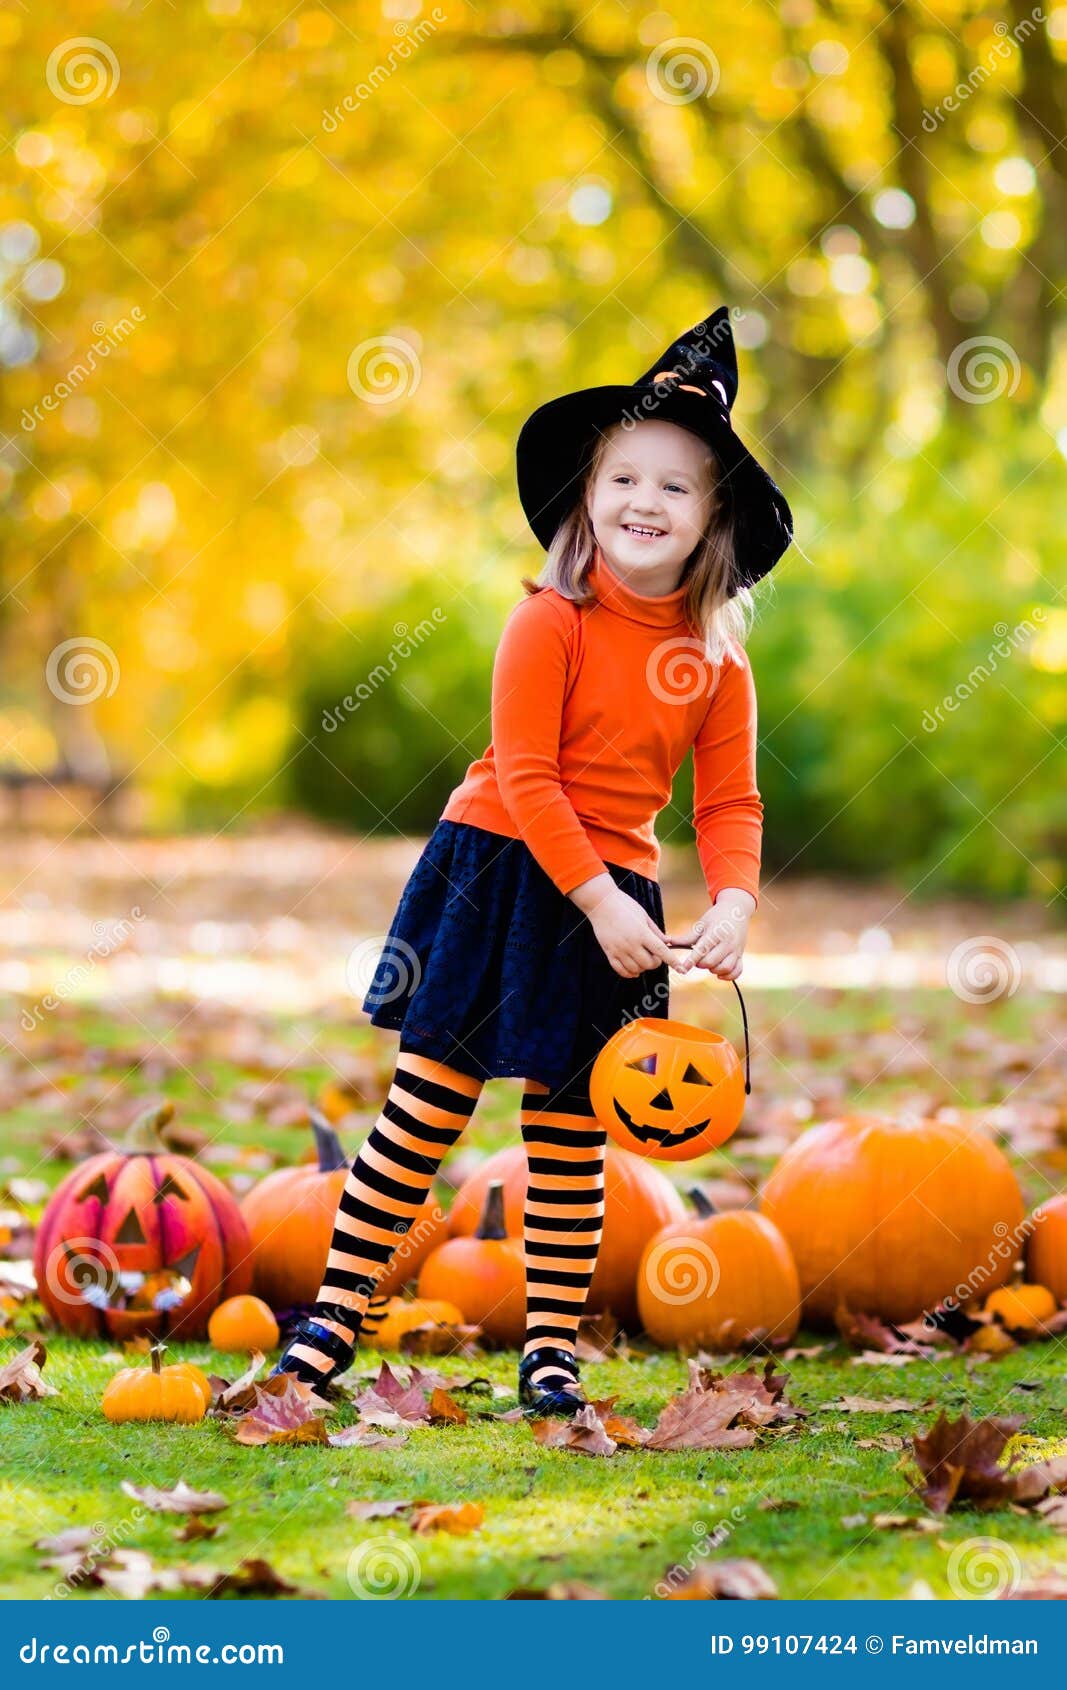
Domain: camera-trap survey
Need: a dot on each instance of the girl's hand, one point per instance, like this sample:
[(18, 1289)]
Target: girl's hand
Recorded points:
[(627, 935), (719, 937)]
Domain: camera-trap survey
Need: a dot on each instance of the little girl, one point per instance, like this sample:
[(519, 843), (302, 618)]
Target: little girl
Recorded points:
[(531, 928)]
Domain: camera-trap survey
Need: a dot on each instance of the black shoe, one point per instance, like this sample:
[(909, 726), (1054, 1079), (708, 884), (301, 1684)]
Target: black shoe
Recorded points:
[(537, 1399), (312, 1332)]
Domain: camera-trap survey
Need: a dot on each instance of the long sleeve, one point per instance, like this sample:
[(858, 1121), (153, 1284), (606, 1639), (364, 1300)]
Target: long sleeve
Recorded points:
[(529, 680), (727, 808)]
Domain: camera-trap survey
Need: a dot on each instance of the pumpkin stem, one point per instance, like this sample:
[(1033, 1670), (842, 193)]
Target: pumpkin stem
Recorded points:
[(492, 1224), (327, 1143), (157, 1355), (701, 1202), (144, 1136)]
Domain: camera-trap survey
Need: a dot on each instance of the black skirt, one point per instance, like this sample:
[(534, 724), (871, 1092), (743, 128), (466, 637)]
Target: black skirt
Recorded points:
[(489, 967)]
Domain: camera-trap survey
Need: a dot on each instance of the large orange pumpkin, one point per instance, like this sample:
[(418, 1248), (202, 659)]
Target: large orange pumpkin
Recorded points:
[(1046, 1246), (892, 1217), (718, 1280), (638, 1200), (290, 1218), (140, 1239), (665, 1089), (485, 1275)]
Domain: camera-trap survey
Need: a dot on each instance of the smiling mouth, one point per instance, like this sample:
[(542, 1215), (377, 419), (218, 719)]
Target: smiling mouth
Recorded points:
[(640, 532), (656, 1135)]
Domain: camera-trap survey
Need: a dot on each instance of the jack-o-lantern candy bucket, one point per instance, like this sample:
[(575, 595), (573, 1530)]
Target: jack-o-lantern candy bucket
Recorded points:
[(664, 1089)]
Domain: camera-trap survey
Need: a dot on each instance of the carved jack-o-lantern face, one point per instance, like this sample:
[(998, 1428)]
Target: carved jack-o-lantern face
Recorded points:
[(668, 1090)]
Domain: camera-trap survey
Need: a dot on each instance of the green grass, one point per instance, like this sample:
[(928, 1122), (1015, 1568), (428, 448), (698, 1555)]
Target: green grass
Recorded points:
[(618, 1523)]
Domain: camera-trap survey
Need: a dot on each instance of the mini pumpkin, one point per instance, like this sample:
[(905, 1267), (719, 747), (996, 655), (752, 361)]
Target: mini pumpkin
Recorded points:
[(668, 1090), (1022, 1308), (484, 1276), (387, 1319), (243, 1324), (178, 1392)]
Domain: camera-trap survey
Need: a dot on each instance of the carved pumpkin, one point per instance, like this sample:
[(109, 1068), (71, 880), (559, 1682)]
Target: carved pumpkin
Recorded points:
[(667, 1090), (891, 1217), (484, 1276), (140, 1239), (180, 1392), (1046, 1246), (720, 1280), (243, 1324), (290, 1218), (638, 1200)]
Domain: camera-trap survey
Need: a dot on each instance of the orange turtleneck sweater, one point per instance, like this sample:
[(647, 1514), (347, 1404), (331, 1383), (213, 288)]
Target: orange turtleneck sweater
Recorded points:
[(593, 712)]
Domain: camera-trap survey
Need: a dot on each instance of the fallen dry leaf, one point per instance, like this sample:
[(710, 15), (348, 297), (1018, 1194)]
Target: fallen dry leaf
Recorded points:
[(960, 1459), (458, 1519), (722, 1411), (20, 1378), (445, 1409), (381, 1509), (870, 1405), (181, 1500), (252, 1430), (866, 1332), (583, 1432), (564, 1590), (739, 1580), (366, 1438)]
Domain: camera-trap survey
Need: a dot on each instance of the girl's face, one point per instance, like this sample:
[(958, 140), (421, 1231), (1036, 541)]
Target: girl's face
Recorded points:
[(651, 500)]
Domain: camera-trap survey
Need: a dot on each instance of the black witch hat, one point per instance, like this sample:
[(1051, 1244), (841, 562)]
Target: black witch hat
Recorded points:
[(693, 384)]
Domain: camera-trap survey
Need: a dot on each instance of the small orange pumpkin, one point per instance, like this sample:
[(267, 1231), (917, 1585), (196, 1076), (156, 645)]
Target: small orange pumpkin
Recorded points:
[(385, 1324), (179, 1392), (1046, 1246), (484, 1276), (1022, 1308), (718, 1279), (243, 1324), (665, 1089)]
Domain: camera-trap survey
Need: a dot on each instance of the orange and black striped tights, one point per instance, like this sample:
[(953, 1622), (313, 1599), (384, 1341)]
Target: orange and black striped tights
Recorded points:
[(428, 1106)]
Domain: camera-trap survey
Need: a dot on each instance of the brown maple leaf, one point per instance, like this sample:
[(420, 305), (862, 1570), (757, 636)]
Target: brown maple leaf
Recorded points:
[(20, 1378), (958, 1458), (458, 1519), (182, 1499), (583, 1432), (867, 1332), (722, 1410)]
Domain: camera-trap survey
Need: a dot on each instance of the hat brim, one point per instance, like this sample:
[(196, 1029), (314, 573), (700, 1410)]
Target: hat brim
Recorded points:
[(555, 443)]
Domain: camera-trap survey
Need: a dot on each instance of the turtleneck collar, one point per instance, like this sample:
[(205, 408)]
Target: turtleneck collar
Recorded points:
[(665, 610)]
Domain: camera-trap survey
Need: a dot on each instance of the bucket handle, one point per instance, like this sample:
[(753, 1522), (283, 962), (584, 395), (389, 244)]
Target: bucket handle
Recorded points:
[(744, 1019)]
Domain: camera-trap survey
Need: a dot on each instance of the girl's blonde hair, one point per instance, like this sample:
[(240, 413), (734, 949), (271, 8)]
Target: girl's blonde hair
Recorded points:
[(717, 609)]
